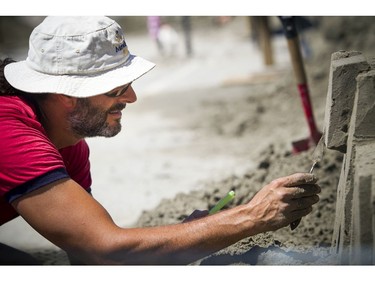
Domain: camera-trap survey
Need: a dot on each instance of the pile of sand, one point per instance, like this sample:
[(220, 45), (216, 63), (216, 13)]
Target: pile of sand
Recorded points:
[(265, 112), (308, 243)]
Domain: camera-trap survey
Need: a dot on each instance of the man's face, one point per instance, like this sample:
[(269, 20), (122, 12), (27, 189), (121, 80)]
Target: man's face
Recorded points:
[(89, 119), (101, 115)]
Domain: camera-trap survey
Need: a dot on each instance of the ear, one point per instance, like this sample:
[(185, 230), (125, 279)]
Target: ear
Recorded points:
[(66, 101)]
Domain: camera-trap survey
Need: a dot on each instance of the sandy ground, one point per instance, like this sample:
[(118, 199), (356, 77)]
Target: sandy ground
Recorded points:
[(256, 119), (217, 121), (259, 118)]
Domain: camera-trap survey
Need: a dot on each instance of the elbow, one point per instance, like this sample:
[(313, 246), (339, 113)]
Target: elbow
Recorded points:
[(100, 250)]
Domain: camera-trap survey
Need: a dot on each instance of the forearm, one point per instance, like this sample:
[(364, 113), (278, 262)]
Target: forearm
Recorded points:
[(180, 243), (71, 219)]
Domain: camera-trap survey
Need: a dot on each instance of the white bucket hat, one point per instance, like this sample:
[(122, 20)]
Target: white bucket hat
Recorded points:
[(76, 56)]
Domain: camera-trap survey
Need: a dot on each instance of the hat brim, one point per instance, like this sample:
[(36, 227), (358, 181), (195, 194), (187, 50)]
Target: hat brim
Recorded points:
[(24, 78)]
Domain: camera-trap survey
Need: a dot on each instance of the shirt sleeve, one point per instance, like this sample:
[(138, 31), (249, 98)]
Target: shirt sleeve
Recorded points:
[(28, 159)]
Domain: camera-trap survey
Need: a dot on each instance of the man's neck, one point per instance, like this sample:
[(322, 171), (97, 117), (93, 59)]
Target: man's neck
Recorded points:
[(56, 124)]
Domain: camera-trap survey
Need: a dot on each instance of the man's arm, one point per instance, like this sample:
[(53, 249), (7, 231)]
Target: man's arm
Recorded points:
[(70, 218)]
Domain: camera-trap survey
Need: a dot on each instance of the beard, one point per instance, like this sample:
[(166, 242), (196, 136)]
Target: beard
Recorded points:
[(87, 120)]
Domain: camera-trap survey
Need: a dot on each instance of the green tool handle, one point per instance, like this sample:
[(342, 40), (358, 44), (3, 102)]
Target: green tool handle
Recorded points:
[(230, 195)]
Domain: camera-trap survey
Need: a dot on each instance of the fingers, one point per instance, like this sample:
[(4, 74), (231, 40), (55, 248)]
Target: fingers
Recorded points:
[(304, 191), (300, 185), (304, 202), (302, 207), (299, 179)]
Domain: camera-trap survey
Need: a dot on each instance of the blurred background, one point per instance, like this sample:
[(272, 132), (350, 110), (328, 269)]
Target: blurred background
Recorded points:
[(174, 30), (178, 32)]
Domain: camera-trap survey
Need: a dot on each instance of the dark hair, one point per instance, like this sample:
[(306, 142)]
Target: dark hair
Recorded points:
[(7, 90)]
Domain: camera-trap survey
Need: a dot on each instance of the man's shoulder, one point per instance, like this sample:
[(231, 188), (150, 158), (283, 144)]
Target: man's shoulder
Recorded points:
[(16, 105), (11, 99), (15, 108)]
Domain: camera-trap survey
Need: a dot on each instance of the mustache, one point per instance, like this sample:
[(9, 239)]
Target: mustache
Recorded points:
[(118, 106)]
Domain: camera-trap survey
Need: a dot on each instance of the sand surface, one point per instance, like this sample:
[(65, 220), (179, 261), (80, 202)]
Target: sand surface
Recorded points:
[(261, 120)]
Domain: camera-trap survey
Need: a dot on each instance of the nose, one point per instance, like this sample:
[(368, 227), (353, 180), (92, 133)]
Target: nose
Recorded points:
[(129, 96)]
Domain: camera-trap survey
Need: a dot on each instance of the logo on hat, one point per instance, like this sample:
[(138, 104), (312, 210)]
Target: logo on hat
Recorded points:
[(122, 44)]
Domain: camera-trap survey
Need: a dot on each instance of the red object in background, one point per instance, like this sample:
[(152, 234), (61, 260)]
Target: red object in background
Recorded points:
[(291, 34)]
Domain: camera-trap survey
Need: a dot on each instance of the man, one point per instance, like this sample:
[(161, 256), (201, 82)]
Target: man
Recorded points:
[(74, 84)]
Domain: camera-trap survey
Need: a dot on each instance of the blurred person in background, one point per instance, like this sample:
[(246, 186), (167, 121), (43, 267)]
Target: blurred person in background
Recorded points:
[(153, 27)]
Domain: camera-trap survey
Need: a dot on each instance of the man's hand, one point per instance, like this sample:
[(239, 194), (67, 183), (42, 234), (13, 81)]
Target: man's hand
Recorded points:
[(283, 201)]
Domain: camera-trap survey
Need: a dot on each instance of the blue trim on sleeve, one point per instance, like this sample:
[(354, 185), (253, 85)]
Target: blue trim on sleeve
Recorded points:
[(36, 183)]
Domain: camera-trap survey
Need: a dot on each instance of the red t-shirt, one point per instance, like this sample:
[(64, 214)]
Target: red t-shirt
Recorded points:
[(29, 160)]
